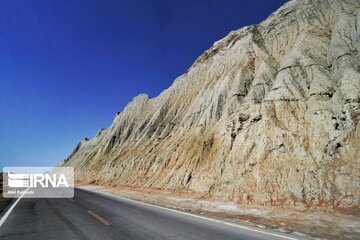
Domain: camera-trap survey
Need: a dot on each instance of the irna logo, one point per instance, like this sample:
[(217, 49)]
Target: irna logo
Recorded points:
[(38, 182)]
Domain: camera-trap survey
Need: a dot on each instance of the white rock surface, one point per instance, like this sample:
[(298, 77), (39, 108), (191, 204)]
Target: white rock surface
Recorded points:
[(268, 115)]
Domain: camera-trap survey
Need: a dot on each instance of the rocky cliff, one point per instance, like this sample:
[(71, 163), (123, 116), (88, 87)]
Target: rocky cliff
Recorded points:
[(268, 115)]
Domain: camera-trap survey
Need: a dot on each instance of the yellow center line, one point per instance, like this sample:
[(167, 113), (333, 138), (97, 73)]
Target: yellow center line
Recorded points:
[(100, 219)]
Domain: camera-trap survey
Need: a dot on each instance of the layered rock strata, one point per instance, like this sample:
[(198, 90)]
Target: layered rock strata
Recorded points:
[(268, 115)]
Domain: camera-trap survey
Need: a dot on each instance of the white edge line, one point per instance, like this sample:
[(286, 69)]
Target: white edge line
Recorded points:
[(3, 219), (196, 216)]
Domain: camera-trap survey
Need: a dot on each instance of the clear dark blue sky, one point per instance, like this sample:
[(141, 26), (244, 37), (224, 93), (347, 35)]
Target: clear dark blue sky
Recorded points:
[(67, 66)]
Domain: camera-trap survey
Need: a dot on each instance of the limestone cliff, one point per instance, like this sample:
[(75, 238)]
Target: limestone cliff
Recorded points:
[(268, 115)]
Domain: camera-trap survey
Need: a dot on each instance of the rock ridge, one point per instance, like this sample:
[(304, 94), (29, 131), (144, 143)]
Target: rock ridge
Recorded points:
[(269, 115)]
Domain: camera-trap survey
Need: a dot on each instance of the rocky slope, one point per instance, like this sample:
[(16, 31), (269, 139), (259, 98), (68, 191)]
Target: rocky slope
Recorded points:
[(268, 115)]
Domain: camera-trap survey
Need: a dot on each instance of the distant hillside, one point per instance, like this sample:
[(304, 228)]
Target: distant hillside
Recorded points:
[(3, 201)]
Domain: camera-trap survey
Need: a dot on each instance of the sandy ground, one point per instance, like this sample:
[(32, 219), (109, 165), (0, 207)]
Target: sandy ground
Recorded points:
[(313, 224)]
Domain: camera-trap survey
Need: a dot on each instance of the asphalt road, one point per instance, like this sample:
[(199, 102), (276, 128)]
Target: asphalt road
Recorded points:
[(92, 215)]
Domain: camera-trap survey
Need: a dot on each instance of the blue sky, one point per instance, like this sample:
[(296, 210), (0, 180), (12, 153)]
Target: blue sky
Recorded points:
[(67, 66)]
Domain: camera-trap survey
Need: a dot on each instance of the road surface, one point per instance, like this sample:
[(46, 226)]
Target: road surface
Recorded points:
[(92, 215)]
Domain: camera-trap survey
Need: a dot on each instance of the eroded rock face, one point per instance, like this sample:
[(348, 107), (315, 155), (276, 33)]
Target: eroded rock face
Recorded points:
[(268, 115)]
